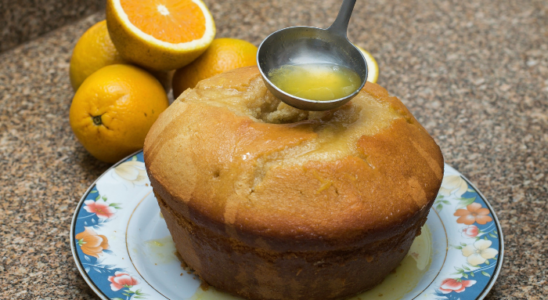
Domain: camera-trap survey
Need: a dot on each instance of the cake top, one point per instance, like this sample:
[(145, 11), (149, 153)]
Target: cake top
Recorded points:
[(230, 156)]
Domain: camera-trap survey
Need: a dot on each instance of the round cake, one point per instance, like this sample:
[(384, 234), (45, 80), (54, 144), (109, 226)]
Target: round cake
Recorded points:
[(266, 201)]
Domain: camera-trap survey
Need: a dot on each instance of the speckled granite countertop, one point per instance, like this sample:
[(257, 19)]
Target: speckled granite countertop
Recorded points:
[(24, 20), (475, 73)]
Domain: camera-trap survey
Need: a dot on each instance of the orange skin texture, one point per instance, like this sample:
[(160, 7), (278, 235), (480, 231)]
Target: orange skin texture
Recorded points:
[(93, 51), (127, 100), (223, 55)]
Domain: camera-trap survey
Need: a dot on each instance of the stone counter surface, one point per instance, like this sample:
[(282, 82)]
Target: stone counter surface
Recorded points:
[(474, 73), (24, 20)]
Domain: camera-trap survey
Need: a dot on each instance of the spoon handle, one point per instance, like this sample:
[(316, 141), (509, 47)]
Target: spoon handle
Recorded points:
[(340, 26)]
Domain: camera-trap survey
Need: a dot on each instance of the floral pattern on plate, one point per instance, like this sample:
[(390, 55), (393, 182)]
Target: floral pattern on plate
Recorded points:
[(475, 240), (90, 229), (118, 213)]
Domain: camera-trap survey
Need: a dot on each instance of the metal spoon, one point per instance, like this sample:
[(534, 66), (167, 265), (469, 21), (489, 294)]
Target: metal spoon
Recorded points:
[(312, 45)]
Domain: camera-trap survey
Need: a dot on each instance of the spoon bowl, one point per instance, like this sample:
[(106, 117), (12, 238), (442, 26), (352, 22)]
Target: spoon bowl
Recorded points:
[(312, 45)]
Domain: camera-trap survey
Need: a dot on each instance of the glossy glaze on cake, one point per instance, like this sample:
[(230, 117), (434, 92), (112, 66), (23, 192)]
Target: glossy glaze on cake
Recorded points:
[(270, 202)]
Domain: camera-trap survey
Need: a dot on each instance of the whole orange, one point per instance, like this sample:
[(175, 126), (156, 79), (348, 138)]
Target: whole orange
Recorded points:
[(223, 55), (93, 51), (113, 110)]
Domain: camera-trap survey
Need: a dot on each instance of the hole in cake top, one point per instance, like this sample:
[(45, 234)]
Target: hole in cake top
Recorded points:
[(244, 93), (257, 102)]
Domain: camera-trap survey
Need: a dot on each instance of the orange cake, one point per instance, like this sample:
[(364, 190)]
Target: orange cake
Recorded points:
[(266, 201)]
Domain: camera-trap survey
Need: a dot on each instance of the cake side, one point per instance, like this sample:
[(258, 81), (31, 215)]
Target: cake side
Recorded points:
[(257, 273)]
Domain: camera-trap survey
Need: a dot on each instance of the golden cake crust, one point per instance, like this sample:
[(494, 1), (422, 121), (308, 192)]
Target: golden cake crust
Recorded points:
[(229, 157)]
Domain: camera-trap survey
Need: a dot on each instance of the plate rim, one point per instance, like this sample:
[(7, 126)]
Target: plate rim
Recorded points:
[(73, 225), (500, 259), (100, 293)]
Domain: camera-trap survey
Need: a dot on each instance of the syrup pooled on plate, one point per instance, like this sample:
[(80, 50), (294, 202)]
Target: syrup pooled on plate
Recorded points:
[(161, 251), (322, 82)]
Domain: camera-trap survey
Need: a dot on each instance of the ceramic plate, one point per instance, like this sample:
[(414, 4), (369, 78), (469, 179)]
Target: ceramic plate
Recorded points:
[(123, 249)]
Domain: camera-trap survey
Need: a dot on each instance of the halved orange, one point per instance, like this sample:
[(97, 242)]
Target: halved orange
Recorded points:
[(372, 66), (160, 34)]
